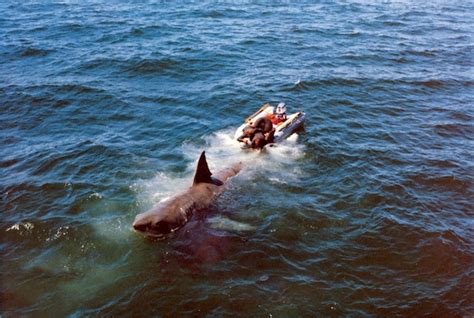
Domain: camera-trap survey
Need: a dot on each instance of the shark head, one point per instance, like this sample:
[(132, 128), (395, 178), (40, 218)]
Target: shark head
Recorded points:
[(159, 221), (153, 226), (171, 214)]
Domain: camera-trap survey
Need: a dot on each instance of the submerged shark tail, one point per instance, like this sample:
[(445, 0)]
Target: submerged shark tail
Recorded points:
[(203, 174)]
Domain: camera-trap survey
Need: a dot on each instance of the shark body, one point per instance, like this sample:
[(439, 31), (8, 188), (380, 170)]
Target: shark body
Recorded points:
[(171, 214)]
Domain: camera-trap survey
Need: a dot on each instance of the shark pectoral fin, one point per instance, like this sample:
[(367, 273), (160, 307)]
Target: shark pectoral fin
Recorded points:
[(203, 174)]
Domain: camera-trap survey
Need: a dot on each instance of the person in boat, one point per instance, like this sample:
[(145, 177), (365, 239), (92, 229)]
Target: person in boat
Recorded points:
[(258, 133), (264, 132), (247, 134), (279, 114), (263, 124), (260, 140)]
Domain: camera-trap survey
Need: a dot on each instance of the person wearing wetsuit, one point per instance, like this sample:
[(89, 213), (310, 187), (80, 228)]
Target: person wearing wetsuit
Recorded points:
[(260, 140), (259, 134), (263, 125), (264, 132), (247, 132)]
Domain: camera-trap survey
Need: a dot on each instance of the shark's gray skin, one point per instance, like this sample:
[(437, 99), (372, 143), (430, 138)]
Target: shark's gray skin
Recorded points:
[(171, 214)]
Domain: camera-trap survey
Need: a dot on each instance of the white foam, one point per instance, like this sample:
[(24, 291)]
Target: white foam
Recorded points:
[(222, 223), (27, 226), (222, 151), (159, 188), (113, 228), (277, 164)]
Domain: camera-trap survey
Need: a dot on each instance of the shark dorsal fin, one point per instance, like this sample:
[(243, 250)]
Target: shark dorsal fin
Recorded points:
[(203, 174)]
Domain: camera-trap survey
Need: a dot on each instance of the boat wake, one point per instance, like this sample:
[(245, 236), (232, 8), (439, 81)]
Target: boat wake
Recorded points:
[(222, 151), (274, 165)]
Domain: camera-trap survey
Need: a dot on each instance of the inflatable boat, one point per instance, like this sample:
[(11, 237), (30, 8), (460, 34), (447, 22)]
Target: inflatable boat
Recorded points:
[(283, 130)]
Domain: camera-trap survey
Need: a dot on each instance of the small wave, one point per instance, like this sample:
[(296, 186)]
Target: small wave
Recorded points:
[(303, 85), (100, 63), (308, 85), (221, 13), (372, 200), (427, 53), (350, 33), (401, 60), (75, 27), (130, 34), (34, 52), (444, 164), (52, 94), (299, 85), (8, 162), (167, 100), (304, 30), (393, 23), (459, 115), (77, 89), (213, 14), (150, 66), (449, 183), (137, 32), (431, 83), (454, 130), (132, 66), (248, 42)]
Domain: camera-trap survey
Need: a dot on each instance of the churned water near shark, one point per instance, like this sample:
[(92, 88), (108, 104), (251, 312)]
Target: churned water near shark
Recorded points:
[(106, 106), (170, 214)]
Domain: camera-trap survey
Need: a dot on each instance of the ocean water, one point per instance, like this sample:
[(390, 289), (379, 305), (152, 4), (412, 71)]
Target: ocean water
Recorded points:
[(106, 105)]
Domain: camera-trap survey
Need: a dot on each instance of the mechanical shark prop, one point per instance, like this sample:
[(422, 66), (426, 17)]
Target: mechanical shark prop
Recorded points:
[(171, 214)]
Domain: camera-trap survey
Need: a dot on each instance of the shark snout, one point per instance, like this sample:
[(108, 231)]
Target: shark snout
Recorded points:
[(140, 227), (142, 223), (151, 227)]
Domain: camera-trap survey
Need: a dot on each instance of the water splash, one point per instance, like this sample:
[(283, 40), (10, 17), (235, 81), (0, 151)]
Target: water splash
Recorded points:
[(277, 163), (220, 222)]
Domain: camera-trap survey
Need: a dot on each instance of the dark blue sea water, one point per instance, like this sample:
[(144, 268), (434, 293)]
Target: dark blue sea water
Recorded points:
[(106, 105)]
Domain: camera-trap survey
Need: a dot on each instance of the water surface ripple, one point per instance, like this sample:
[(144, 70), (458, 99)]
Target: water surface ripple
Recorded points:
[(105, 106)]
